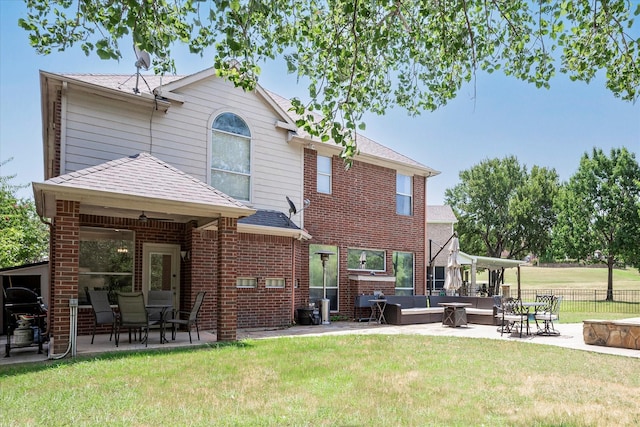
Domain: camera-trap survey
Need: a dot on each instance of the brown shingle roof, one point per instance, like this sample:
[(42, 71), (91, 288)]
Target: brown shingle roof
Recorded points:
[(143, 175), (365, 145)]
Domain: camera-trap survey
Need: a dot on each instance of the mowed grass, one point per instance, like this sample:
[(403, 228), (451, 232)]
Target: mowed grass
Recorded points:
[(570, 278), (557, 278), (351, 380)]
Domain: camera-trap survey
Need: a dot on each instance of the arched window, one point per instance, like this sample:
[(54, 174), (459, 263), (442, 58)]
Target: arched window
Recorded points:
[(231, 156)]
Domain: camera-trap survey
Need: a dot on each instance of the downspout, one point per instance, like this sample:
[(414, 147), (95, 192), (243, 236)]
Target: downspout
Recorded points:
[(48, 224)]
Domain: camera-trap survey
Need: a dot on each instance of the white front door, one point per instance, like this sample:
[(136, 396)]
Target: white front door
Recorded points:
[(161, 269)]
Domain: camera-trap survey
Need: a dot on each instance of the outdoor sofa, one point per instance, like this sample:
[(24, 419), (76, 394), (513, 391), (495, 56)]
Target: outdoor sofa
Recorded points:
[(407, 310)]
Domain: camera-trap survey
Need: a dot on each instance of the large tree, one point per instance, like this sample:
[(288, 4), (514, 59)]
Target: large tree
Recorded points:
[(503, 209), (23, 237), (361, 55), (599, 211)]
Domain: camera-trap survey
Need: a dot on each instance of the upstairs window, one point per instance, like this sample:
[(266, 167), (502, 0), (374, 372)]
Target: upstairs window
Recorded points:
[(404, 194), (324, 174), (231, 156)]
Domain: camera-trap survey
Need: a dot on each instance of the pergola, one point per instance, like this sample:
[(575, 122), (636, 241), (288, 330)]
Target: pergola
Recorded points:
[(476, 261)]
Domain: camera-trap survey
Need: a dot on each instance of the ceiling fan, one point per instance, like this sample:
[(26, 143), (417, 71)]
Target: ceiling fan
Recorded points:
[(144, 218)]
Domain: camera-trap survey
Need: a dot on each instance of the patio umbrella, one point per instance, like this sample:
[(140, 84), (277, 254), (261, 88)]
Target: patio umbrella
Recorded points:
[(453, 279)]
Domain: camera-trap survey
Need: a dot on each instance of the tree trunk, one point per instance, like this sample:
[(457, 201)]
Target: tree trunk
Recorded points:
[(610, 262)]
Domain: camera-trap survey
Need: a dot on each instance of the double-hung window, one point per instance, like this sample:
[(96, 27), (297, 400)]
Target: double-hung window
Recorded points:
[(324, 174), (404, 194), (231, 156)]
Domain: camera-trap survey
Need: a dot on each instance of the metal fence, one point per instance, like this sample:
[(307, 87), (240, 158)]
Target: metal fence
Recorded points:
[(589, 300)]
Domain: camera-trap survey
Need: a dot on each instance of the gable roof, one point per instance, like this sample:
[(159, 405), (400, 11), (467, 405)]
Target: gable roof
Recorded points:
[(440, 214), (153, 88), (368, 148), (138, 183)]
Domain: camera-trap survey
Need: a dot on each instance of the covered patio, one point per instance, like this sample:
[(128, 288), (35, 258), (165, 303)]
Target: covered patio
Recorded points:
[(102, 345), (171, 228)]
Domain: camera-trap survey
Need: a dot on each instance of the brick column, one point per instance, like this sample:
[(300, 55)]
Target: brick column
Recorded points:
[(226, 272), (64, 283), (200, 275)]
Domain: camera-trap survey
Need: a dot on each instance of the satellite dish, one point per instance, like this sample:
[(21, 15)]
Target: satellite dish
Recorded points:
[(143, 59), (292, 207)]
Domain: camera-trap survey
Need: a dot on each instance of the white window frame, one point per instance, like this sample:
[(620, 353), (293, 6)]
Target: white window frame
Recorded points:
[(353, 253), (249, 139), (324, 174), (402, 194)]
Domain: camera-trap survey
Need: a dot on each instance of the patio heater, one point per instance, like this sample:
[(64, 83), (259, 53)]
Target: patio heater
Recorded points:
[(324, 302)]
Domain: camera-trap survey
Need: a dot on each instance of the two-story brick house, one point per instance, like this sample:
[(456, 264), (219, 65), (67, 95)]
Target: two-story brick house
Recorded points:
[(184, 185)]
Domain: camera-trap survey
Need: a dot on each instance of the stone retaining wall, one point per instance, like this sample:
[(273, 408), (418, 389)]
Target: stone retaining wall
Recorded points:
[(623, 333)]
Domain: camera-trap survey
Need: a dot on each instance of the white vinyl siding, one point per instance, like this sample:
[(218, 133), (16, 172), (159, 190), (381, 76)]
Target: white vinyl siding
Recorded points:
[(100, 129)]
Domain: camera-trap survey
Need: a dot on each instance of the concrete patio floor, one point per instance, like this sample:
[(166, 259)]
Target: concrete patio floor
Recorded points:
[(571, 337)]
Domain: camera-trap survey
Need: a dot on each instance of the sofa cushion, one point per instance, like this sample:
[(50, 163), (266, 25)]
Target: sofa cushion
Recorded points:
[(471, 310), (421, 310)]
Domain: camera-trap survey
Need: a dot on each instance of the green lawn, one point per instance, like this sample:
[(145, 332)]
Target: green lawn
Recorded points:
[(570, 278), (351, 380)]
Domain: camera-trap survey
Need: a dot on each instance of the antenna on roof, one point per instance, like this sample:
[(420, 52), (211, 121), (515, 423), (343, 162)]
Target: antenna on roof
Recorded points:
[(143, 60)]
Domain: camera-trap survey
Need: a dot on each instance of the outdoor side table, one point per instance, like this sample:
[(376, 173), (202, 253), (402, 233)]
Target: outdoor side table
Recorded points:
[(377, 310), (454, 314)]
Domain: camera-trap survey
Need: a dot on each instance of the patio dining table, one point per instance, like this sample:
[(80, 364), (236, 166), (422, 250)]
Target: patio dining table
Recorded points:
[(162, 310), (528, 306)]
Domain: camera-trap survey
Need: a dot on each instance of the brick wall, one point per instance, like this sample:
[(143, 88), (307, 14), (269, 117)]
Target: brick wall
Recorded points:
[(64, 271), (199, 275), (264, 257), (361, 213)]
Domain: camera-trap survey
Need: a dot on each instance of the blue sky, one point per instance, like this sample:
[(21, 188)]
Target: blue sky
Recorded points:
[(494, 117)]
